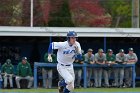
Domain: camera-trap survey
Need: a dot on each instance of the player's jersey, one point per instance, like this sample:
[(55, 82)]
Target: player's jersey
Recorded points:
[(132, 56), (66, 53)]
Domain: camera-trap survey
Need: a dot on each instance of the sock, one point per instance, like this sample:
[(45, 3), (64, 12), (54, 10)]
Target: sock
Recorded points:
[(66, 90), (62, 83)]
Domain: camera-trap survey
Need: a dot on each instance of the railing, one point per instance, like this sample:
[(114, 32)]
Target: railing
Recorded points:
[(84, 66)]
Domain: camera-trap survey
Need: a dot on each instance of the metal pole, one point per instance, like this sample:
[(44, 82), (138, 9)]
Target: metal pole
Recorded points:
[(135, 13), (31, 13), (104, 44)]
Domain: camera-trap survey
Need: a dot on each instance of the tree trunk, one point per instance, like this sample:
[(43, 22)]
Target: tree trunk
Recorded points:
[(118, 21)]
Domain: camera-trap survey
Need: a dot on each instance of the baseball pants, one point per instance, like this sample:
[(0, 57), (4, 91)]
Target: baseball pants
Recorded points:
[(67, 72)]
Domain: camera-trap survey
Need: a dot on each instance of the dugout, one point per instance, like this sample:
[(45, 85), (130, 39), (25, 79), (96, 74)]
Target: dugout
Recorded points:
[(33, 42)]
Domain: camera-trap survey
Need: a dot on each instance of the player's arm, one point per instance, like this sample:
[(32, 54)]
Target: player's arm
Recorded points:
[(78, 51), (104, 59), (125, 59), (133, 61), (52, 46), (92, 60), (117, 59), (50, 51)]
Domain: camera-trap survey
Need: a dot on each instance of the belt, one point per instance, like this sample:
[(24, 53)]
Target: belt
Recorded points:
[(65, 65)]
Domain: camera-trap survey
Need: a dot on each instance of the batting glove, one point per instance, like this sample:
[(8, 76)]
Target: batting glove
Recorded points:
[(49, 58)]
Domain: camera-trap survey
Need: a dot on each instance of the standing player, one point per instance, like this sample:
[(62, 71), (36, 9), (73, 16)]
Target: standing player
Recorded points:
[(67, 52), (121, 59), (132, 59)]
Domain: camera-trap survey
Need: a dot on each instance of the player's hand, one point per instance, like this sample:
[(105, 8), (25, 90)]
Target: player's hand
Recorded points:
[(49, 58), (76, 48), (11, 75), (124, 62), (76, 61), (5, 74), (91, 62), (81, 62)]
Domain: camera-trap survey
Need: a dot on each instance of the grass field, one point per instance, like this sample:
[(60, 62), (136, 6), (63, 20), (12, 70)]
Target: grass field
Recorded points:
[(111, 90)]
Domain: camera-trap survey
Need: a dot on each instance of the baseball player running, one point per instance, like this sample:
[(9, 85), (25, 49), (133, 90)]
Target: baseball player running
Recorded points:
[(66, 54)]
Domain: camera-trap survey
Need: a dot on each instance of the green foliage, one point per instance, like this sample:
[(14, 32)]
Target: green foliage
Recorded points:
[(62, 18), (119, 8)]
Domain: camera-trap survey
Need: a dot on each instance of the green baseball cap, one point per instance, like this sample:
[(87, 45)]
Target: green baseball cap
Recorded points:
[(109, 50), (24, 58), (8, 61), (130, 49), (121, 51)]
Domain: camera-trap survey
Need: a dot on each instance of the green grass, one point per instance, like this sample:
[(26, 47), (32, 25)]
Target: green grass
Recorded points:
[(76, 90)]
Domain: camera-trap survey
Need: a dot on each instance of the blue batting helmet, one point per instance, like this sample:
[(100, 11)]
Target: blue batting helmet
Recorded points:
[(71, 34)]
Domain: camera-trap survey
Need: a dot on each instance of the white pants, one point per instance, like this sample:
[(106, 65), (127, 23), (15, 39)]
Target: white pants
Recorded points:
[(29, 78), (68, 75)]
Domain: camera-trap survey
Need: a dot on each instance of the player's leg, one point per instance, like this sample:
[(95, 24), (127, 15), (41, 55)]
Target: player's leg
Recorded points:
[(121, 76), (63, 72), (5, 81), (96, 77), (106, 78), (100, 76), (67, 76), (30, 80), (18, 78), (128, 76), (44, 76), (89, 72), (116, 75), (11, 81), (79, 77), (76, 77), (70, 86), (50, 78)]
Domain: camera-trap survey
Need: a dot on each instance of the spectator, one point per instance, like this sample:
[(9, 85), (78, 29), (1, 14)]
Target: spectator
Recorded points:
[(78, 71), (132, 59), (110, 60), (47, 72), (24, 72), (121, 58), (8, 71), (89, 59), (100, 59)]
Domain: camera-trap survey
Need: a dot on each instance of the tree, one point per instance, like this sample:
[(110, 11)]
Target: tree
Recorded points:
[(16, 18), (41, 12), (120, 11), (62, 17), (89, 13), (5, 12)]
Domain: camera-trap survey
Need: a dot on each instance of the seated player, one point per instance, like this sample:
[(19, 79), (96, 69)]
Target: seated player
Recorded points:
[(24, 71), (8, 71)]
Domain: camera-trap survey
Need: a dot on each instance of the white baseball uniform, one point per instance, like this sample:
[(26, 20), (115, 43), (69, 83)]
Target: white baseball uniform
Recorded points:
[(65, 57)]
